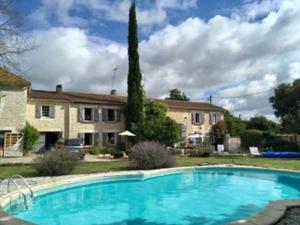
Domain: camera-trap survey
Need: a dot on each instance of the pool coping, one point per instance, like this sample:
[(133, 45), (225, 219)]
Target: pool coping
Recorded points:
[(270, 215)]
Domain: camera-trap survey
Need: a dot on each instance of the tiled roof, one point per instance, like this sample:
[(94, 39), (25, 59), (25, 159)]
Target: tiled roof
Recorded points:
[(8, 79), (77, 97), (88, 98), (191, 105)]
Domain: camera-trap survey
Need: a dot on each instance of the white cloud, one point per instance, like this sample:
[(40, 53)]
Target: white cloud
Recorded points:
[(195, 56), (117, 10), (69, 56)]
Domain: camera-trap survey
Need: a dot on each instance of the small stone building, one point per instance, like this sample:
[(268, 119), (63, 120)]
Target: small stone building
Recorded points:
[(13, 101)]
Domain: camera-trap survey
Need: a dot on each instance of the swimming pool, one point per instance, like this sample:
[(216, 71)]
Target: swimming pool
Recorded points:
[(208, 196)]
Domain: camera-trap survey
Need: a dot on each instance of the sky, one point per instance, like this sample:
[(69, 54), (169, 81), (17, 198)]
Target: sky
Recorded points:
[(237, 51)]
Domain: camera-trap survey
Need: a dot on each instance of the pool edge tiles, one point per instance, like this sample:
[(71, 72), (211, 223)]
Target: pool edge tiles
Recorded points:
[(76, 181)]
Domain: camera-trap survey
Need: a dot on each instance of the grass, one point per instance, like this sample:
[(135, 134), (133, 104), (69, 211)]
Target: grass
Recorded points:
[(97, 167)]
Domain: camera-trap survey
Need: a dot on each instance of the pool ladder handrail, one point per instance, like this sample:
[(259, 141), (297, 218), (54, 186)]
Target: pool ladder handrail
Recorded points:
[(12, 179)]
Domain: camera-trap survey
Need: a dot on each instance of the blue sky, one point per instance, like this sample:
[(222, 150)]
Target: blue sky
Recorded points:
[(116, 30), (222, 48)]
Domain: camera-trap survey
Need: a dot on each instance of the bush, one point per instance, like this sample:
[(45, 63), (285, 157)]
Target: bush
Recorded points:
[(267, 141), (93, 151), (55, 162), (151, 155), (251, 138), (156, 125), (31, 137), (200, 151), (117, 154)]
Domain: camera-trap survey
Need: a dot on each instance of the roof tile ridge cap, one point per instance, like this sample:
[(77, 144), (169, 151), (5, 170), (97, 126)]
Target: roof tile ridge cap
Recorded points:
[(90, 98), (99, 94)]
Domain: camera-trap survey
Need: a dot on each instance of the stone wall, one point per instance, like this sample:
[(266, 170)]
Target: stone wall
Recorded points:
[(12, 109), (184, 117), (44, 124)]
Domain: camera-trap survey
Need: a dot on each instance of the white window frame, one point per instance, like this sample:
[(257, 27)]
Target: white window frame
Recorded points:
[(42, 111)]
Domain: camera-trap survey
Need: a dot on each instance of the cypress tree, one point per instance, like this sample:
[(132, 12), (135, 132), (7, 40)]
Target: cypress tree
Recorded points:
[(134, 110)]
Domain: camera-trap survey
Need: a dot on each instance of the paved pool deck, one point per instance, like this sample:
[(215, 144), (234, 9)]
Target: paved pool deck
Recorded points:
[(30, 159), (271, 215)]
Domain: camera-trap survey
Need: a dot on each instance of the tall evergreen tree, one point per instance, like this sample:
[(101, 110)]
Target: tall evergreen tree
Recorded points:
[(134, 110)]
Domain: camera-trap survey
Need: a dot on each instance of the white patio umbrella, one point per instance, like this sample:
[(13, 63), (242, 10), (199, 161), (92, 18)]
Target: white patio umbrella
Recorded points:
[(126, 133)]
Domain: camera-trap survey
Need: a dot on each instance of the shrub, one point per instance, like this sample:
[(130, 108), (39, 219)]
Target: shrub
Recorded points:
[(93, 151), (156, 125), (55, 162), (117, 154), (251, 138), (151, 155), (31, 137), (200, 151)]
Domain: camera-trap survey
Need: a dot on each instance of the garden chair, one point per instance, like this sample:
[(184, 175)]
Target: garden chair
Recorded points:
[(254, 151)]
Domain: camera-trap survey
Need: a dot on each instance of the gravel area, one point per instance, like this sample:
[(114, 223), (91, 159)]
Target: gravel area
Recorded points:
[(292, 217)]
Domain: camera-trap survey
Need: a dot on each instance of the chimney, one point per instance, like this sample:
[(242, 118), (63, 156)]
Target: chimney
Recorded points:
[(113, 92), (58, 88)]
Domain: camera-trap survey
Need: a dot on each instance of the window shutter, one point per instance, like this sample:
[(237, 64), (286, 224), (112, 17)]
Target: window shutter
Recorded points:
[(96, 139), (96, 115), (81, 136), (210, 118), (38, 111), (104, 115), (104, 139), (118, 113), (80, 114), (52, 111), (202, 118), (193, 118)]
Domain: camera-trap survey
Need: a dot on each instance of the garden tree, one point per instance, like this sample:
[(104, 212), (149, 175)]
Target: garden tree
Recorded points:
[(235, 126), (13, 41), (176, 94), (219, 133), (263, 124), (31, 137), (286, 102), (156, 125), (134, 109)]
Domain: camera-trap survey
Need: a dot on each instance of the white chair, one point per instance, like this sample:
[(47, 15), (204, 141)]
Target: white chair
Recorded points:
[(254, 151)]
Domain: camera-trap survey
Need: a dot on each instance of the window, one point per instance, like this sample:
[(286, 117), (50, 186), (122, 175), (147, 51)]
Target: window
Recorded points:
[(88, 139), (215, 118), (88, 115), (198, 118), (109, 138), (111, 115), (2, 139), (45, 111)]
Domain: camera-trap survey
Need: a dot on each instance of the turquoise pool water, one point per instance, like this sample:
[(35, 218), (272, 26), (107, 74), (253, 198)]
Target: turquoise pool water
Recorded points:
[(196, 197)]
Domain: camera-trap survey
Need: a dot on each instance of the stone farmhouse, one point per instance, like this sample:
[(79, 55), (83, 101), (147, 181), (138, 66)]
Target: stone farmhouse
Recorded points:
[(96, 118)]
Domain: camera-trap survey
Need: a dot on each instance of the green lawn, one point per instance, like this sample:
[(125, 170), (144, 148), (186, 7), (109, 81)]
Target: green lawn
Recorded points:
[(97, 167)]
